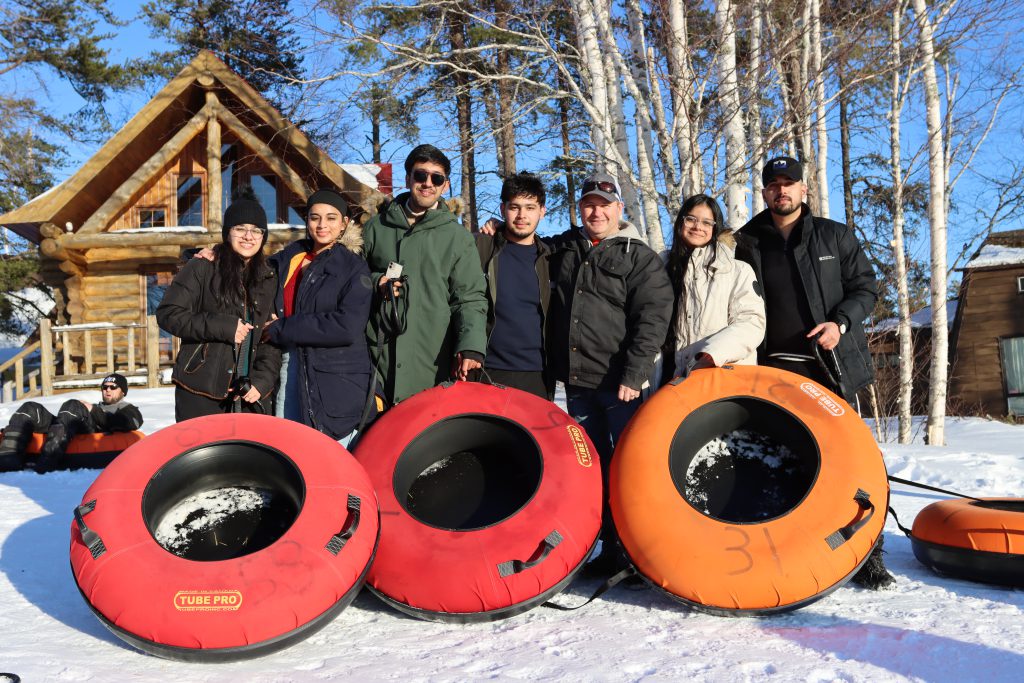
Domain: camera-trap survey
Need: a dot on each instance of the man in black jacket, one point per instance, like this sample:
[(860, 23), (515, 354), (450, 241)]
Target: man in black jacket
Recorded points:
[(611, 301), (818, 289), (111, 414), (515, 264)]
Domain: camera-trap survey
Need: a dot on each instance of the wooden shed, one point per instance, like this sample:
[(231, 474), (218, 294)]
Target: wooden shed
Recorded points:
[(987, 342), (111, 234)]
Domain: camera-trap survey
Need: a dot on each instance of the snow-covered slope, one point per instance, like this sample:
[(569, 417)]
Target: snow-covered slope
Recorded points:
[(927, 628)]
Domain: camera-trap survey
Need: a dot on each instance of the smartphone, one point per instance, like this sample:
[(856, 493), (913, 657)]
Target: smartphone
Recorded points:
[(394, 271)]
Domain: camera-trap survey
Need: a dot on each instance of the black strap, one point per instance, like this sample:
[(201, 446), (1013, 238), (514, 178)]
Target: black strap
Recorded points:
[(90, 538), (339, 539), (919, 485), (550, 542), (829, 363), (844, 534), (902, 528), (601, 590)]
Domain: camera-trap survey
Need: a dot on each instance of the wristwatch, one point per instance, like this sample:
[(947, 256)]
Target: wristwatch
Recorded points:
[(842, 326)]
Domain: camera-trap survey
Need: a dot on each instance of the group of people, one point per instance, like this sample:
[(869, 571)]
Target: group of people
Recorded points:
[(348, 321)]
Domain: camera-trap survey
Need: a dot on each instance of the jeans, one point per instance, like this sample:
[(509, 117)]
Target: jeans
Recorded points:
[(287, 405)]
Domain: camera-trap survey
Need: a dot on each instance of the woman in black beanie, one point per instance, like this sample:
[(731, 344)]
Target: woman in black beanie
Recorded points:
[(218, 308)]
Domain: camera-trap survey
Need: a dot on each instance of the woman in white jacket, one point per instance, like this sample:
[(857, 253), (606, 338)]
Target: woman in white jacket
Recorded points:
[(719, 313)]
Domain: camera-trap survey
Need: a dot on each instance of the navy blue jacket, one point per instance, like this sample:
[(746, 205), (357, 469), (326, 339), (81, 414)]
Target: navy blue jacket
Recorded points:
[(326, 334)]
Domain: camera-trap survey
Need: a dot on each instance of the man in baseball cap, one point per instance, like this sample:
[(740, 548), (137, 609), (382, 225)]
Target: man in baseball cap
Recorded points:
[(111, 414)]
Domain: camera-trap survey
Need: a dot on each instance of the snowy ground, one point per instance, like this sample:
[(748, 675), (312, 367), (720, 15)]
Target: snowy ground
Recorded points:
[(927, 628)]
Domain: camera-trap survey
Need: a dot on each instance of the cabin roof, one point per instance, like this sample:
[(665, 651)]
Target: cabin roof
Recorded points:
[(80, 196)]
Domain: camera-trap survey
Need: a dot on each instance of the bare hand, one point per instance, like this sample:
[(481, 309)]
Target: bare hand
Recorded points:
[(88, 406), (626, 394), (829, 332), (463, 366), (701, 361), (252, 395), (490, 227), (242, 331), (205, 253), (382, 285)]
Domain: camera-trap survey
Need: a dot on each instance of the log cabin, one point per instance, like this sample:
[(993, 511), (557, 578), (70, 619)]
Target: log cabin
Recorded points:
[(987, 339), (111, 234)]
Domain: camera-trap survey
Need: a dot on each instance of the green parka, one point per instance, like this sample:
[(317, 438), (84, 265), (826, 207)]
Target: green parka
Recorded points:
[(445, 296)]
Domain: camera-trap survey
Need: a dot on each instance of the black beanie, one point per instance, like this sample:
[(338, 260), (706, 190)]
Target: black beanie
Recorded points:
[(327, 196), (119, 380), (244, 212)]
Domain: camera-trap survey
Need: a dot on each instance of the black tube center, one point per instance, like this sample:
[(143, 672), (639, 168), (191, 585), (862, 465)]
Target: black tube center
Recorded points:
[(743, 460), (468, 472), (223, 500)]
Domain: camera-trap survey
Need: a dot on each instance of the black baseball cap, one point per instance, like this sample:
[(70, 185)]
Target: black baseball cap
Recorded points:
[(782, 166)]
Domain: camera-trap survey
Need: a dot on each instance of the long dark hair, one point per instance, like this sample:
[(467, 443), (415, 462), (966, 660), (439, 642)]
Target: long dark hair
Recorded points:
[(236, 277), (679, 254)]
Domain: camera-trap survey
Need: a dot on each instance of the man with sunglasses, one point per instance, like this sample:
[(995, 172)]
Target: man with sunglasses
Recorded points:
[(611, 301), (429, 324), (111, 414)]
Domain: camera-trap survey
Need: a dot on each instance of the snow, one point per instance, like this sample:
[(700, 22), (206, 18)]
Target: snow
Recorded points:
[(997, 255), (918, 319), (926, 628)]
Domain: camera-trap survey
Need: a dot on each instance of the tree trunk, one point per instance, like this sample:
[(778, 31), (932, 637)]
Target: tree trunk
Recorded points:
[(464, 115), (937, 221), (735, 143), (506, 133), (844, 147), (592, 69), (906, 369), (680, 86), (821, 124), (754, 97)]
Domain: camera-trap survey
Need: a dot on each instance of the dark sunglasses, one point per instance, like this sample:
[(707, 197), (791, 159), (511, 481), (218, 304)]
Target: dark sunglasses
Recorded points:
[(601, 186), (436, 179), (111, 387)]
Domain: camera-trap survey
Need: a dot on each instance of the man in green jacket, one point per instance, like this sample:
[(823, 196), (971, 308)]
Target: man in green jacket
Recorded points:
[(432, 324)]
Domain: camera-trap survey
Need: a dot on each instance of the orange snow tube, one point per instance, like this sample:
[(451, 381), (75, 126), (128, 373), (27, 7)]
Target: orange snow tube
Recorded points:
[(747, 490), (88, 451), (978, 540)]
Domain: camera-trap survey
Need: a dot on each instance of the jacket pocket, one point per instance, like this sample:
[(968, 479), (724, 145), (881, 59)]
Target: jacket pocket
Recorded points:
[(196, 360), (610, 279)]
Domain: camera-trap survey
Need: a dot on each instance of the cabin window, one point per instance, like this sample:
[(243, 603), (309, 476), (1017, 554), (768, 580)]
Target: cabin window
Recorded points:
[(1020, 284), (265, 187), (1012, 353), (294, 215), (152, 217), (190, 200)]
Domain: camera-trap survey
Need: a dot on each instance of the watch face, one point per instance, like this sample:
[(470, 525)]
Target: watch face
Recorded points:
[(842, 328)]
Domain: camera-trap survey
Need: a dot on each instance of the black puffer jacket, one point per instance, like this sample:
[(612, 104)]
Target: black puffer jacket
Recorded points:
[(206, 325), (838, 282), (610, 309)]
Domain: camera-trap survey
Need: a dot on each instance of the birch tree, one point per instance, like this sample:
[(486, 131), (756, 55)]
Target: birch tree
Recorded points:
[(937, 220), (735, 138)]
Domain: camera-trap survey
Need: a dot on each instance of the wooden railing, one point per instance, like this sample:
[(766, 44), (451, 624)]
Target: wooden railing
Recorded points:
[(14, 389), (77, 356)]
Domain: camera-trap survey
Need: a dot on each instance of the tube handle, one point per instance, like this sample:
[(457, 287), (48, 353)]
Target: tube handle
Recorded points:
[(550, 542)]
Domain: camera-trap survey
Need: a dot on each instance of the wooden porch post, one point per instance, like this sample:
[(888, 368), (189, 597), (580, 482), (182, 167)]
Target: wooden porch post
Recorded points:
[(214, 189), (152, 352), (46, 356)]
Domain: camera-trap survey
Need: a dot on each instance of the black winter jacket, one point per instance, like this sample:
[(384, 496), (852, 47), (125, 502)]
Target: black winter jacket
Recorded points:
[(206, 325), (610, 309), (326, 335), (115, 417), (838, 282)]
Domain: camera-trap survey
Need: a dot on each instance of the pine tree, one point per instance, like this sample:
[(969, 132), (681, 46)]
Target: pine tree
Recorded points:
[(255, 38)]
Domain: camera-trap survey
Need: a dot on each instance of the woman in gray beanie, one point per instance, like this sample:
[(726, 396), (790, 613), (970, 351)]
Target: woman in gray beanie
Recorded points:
[(219, 308)]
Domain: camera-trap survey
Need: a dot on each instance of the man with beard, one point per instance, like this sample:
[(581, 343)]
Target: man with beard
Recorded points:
[(112, 414), (515, 264), (818, 289)]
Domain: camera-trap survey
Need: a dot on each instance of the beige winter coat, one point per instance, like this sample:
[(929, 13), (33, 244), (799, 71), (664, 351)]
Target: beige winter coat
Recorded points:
[(719, 313)]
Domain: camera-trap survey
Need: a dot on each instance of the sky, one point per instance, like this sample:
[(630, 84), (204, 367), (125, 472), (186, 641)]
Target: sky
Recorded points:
[(971, 199)]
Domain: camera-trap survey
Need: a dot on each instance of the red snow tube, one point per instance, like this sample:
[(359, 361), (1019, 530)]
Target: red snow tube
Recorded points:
[(89, 451), (490, 501), (747, 490), (977, 540), (224, 537)]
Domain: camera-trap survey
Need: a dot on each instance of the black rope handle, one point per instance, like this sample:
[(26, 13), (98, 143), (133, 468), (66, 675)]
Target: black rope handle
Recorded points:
[(511, 567), (844, 534), (933, 488), (90, 538), (339, 539)]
